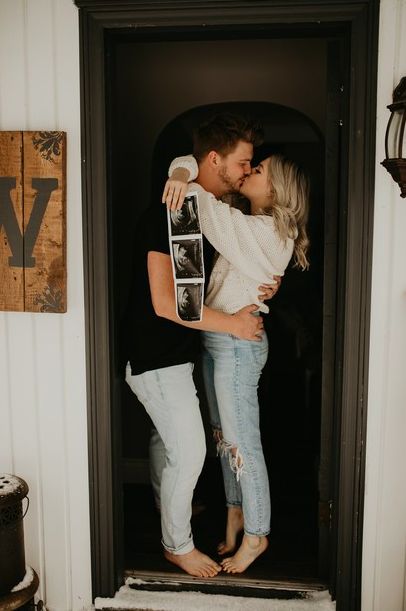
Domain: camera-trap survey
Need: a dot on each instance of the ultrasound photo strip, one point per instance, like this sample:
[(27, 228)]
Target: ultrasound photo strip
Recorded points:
[(189, 301), (186, 220), (186, 247), (188, 258)]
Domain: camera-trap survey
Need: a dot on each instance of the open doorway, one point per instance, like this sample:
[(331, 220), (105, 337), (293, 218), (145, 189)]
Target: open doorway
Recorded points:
[(350, 30), (159, 87)]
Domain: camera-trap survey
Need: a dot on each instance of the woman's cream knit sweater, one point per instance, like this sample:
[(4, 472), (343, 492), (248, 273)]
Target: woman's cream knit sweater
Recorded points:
[(250, 249)]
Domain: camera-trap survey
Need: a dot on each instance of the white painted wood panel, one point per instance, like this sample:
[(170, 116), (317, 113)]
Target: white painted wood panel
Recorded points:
[(384, 543), (43, 436), (6, 414), (42, 359)]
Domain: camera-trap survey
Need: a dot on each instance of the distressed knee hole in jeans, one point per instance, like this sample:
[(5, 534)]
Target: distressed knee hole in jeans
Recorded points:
[(225, 448)]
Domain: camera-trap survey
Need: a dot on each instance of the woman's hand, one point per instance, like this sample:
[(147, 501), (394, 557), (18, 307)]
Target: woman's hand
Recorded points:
[(176, 188), (269, 290), (248, 326)]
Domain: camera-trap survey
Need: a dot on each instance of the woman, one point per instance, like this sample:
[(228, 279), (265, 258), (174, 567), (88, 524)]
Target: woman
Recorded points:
[(250, 249)]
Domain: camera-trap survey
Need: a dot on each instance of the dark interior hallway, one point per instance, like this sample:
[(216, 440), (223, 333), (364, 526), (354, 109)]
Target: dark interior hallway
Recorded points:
[(159, 90)]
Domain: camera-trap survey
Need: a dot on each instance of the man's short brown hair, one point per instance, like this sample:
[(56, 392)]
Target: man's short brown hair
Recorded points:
[(222, 132)]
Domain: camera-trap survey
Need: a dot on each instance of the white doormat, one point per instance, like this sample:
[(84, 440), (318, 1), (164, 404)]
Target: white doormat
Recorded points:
[(136, 600)]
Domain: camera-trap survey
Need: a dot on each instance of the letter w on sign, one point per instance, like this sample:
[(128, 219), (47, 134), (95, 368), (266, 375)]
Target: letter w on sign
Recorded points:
[(32, 221)]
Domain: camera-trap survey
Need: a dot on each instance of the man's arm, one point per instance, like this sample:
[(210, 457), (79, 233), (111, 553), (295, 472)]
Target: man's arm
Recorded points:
[(242, 324)]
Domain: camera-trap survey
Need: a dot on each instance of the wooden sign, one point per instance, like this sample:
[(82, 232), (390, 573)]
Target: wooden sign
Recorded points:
[(33, 221)]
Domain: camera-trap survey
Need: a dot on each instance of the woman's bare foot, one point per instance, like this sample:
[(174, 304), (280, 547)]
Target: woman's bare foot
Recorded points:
[(195, 563), (235, 524), (250, 548)]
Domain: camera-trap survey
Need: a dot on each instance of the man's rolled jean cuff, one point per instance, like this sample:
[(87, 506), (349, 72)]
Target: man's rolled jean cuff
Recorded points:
[(183, 549)]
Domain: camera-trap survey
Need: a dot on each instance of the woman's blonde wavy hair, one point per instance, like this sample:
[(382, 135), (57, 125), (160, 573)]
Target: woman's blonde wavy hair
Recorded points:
[(290, 204)]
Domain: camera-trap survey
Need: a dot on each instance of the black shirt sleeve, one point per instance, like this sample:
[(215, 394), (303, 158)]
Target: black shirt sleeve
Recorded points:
[(154, 225)]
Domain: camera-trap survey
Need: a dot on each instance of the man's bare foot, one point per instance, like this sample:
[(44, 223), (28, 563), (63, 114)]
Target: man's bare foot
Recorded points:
[(235, 524), (195, 563), (250, 548)]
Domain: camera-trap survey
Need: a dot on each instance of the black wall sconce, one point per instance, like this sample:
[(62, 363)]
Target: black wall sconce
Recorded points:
[(395, 146)]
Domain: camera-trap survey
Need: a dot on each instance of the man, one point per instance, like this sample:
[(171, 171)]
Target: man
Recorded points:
[(162, 348)]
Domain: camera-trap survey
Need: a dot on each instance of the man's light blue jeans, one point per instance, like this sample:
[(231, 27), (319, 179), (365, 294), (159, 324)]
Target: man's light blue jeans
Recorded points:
[(169, 397), (232, 368)]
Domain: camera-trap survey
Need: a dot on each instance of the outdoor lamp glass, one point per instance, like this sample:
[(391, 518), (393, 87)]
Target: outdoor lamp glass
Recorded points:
[(395, 139)]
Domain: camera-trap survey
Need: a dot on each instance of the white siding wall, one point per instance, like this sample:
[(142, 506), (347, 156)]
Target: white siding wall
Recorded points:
[(43, 435), (384, 569), (43, 430)]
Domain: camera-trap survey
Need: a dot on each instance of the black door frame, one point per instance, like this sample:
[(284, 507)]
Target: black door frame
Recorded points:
[(359, 18)]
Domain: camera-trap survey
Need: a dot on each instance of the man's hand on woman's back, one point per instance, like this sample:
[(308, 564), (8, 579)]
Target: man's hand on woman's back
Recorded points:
[(269, 290)]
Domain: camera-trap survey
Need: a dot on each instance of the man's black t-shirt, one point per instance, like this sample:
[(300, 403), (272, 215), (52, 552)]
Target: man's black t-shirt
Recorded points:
[(152, 342)]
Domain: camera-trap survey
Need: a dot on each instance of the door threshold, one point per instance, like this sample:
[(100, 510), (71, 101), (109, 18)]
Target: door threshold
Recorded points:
[(232, 585)]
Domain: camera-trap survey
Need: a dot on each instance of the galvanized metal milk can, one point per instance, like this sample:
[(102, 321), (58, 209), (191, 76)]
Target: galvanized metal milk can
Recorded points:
[(13, 490)]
